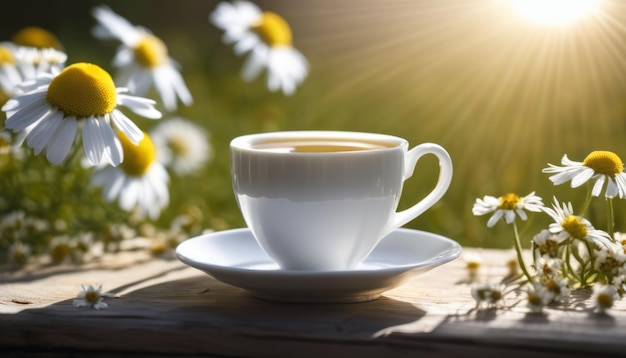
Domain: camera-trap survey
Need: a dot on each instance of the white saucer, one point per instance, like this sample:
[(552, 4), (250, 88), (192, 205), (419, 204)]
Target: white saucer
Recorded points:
[(235, 258)]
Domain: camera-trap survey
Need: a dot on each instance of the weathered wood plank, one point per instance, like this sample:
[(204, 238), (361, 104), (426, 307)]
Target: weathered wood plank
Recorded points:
[(167, 308)]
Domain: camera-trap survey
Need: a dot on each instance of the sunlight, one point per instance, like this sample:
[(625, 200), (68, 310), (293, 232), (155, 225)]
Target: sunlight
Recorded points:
[(554, 12)]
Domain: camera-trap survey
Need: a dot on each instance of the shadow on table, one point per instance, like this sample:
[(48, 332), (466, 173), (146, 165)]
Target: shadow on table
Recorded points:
[(202, 303), (198, 315), (39, 271)]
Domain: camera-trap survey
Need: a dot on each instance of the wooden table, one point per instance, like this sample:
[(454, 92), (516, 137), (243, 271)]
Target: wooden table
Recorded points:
[(169, 309)]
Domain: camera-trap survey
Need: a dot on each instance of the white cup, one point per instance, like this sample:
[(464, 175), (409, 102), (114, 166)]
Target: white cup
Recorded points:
[(325, 205)]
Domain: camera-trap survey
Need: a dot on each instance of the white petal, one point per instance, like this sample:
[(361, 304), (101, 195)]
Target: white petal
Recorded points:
[(255, 63), (123, 57), (621, 184), (237, 15), (582, 177), (115, 151), (141, 106), (114, 189), (178, 83), (129, 195), (103, 176), (127, 126), (100, 305), (40, 134), (93, 143), (286, 69), (113, 26), (246, 42), (100, 143), (611, 188), (570, 163), (26, 99), (494, 218), (597, 187), (28, 115), (62, 140), (165, 89), (509, 216)]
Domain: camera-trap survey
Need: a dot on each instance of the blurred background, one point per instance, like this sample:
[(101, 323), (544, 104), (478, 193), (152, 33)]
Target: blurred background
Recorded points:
[(504, 90)]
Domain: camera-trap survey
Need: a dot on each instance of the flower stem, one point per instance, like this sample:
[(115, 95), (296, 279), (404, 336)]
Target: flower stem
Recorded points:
[(567, 259), (610, 218), (587, 201), (518, 249)]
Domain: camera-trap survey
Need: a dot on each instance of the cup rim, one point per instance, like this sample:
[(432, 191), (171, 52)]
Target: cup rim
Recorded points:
[(245, 142)]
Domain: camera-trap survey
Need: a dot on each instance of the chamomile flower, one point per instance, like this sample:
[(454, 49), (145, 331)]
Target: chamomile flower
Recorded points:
[(547, 266), (473, 262), (508, 206), (10, 76), (513, 266), (9, 148), (538, 297), (181, 145), (37, 50), (557, 288), (491, 294), (92, 297), (545, 244), (604, 296), (599, 166), (60, 249), (82, 96), (610, 260), (268, 39), (568, 226), (139, 183), (37, 37), (32, 61), (142, 59), (19, 253)]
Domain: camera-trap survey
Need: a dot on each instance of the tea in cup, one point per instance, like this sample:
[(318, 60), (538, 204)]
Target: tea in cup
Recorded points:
[(322, 200)]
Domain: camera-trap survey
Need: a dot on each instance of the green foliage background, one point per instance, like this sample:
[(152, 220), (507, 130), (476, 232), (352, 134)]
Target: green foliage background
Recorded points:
[(504, 97)]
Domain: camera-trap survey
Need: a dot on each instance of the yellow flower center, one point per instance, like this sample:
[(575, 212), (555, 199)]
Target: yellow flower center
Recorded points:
[(513, 266), (92, 297), (509, 202), (534, 299), (603, 300), (4, 97), (547, 270), (575, 227), (552, 286), (150, 51), (60, 252), (137, 157), (609, 265), (604, 162), (179, 146), (6, 56), (273, 29), (549, 247), (496, 295), (473, 265), (158, 248), (19, 257), (83, 90), (4, 143), (33, 36)]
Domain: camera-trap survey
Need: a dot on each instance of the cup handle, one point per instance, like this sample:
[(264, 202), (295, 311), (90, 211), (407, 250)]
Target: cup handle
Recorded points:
[(445, 177)]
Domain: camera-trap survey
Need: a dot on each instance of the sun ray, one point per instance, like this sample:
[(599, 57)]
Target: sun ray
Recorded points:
[(503, 94)]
